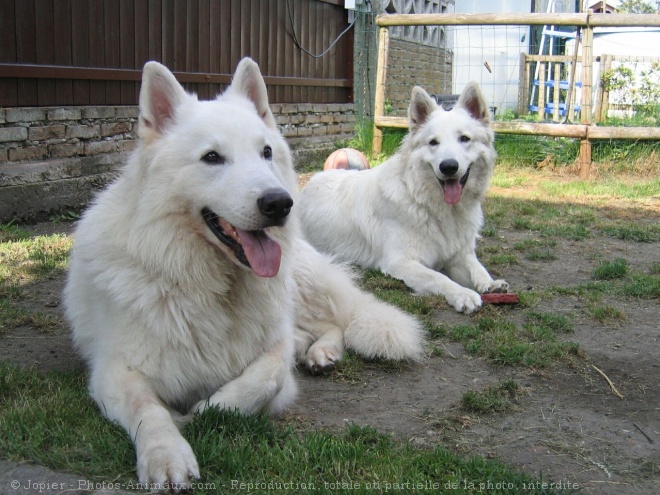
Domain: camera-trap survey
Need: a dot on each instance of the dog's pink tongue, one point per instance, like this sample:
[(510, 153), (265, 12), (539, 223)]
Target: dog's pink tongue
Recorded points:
[(453, 191), (263, 253)]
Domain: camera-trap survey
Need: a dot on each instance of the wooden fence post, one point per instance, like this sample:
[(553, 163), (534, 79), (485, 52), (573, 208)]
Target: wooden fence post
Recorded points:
[(586, 111), (523, 85), (541, 111), (381, 77), (555, 93), (585, 158), (603, 96)]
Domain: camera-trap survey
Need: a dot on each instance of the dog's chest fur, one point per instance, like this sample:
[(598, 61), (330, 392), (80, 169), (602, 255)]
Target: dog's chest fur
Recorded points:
[(184, 315), (441, 230)]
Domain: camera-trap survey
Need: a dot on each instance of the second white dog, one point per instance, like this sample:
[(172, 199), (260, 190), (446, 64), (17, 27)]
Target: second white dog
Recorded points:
[(416, 216)]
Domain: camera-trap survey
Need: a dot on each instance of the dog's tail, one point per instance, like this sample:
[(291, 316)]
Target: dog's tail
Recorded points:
[(371, 327), (378, 330)]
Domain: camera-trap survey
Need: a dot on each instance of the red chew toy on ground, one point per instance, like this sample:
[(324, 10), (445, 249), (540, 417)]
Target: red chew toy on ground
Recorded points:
[(500, 298)]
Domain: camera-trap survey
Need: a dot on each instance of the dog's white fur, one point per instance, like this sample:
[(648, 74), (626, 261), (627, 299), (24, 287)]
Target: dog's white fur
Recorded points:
[(168, 318), (400, 218)]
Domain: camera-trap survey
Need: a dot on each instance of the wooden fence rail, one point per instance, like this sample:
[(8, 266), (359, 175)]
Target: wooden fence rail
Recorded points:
[(584, 131)]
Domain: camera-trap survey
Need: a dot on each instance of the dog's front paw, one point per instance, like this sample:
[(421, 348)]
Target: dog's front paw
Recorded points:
[(464, 301), (495, 287), (167, 464), (322, 358)]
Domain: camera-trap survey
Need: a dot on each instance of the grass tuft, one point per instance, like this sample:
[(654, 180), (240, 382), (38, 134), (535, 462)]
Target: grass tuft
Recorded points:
[(27, 259), (502, 342), (495, 399), (642, 286), (603, 313), (636, 233), (611, 270), (10, 232)]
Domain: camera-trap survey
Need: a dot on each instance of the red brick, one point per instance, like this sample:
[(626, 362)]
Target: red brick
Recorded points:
[(42, 133), (116, 128), (98, 147), (29, 153), (65, 150)]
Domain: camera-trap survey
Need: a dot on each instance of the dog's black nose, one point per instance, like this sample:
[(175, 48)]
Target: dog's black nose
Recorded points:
[(275, 204), (449, 166)]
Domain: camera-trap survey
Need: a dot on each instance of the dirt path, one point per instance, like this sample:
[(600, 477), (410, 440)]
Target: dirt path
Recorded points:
[(567, 426)]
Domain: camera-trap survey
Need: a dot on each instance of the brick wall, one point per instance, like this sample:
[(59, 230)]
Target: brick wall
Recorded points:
[(412, 64), (55, 158), (37, 134)]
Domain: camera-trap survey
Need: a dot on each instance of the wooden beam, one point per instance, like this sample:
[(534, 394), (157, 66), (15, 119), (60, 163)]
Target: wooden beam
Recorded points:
[(585, 159), (61, 72), (384, 20), (536, 19), (576, 131), (381, 78), (586, 105), (555, 94), (541, 91)]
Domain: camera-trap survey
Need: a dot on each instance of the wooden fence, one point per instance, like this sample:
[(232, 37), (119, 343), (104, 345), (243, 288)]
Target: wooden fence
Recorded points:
[(91, 52), (584, 131)]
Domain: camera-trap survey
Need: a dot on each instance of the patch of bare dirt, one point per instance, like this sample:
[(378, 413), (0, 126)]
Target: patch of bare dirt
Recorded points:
[(567, 424)]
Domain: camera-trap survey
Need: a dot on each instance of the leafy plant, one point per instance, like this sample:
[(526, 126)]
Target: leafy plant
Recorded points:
[(636, 7)]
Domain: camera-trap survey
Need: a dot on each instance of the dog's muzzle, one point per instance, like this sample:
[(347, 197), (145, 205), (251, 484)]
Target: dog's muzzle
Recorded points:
[(254, 249), (452, 187)]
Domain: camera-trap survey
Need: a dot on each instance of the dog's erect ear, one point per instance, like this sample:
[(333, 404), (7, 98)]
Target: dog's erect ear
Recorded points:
[(473, 101), (160, 95), (249, 82), (421, 107)]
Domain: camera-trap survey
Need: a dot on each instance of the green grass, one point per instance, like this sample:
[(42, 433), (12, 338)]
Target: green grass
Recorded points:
[(635, 285), (12, 232), (47, 418), (615, 156), (548, 220), (13, 317), (536, 345), (355, 370), (363, 139), (642, 286), (502, 259), (541, 255), (636, 233), (395, 292), (609, 270), (611, 188), (547, 323), (25, 260), (604, 313), (25, 257), (527, 151), (495, 399)]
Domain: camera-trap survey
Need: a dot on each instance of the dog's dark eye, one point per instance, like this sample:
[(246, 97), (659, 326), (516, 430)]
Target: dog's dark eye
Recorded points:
[(268, 152), (433, 142), (465, 139), (214, 158)]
